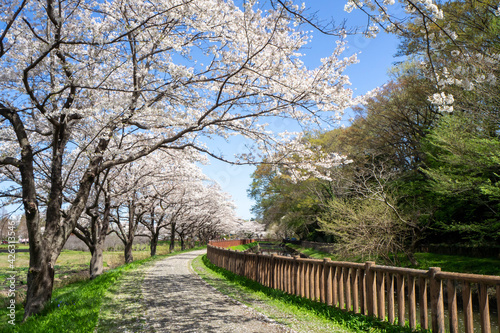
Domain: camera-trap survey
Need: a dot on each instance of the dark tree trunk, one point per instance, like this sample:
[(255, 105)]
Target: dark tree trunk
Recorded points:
[(43, 252), (97, 260), (133, 221), (183, 246), (41, 271), (40, 280), (128, 251), (154, 242), (172, 237), (46, 246)]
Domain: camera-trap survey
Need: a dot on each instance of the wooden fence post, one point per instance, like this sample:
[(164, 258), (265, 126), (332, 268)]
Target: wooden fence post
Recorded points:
[(371, 301), (274, 268), (321, 282), (312, 280), (484, 310), (498, 304), (381, 295), (422, 285), (401, 299), (340, 286), (302, 292), (296, 275), (467, 303), (328, 281), (412, 302), (452, 306), (335, 286), (437, 304), (317, 274), (347, 288), (390, 298), (355, 290), (307, 269), (362, 291)]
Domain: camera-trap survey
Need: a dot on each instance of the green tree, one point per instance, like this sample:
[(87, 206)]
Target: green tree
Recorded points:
[(464, 172), (288, 208), (392, 123)]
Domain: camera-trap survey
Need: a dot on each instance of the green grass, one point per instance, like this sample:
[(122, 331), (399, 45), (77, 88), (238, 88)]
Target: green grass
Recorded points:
[(18, 246), (311, 253), (244, 247), (300, 314), (460, 264), (74, 307)]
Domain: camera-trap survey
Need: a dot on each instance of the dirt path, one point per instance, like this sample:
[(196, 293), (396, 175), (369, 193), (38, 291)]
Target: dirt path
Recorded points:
[(177, 300)]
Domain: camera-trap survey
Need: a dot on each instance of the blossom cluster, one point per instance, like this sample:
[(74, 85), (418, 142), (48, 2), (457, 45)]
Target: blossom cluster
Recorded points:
[(469, 66)]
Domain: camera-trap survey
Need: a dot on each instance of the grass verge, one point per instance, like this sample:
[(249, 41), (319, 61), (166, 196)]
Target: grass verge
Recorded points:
[(301, 315), (244, 247), (76, 307)]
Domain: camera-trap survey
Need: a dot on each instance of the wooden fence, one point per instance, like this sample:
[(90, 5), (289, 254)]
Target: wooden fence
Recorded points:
[(230, 242), (369, 289)]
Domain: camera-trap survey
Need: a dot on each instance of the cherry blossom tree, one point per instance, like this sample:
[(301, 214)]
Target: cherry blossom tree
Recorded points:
[(111, 82), (248, 229), (133, 200), (206, 209), (166, 190), (174, 176), (93, 226), (454, 42)]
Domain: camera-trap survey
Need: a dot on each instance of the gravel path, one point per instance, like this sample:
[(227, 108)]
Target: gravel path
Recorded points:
[(179, 301)]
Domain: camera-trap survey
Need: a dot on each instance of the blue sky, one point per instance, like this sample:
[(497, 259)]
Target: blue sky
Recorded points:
[(375, 56)]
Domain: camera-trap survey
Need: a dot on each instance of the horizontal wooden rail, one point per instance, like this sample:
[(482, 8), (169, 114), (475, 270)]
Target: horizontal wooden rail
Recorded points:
[(230, 242), (386, 292)]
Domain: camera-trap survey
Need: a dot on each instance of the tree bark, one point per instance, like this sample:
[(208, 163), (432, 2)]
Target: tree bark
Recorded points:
[(133, 221), (97, 260), (128, 251), (40, 280), (172, 236), (154, 243), (183, 246)]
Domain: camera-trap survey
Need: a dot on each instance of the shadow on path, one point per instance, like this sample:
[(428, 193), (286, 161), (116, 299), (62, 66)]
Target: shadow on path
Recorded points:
[(177, 300), (122, 309)]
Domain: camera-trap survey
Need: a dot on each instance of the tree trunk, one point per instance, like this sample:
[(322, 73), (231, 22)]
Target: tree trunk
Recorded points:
[(172, 237), (101, 230), (183, 246), (133, 222), (154, 243), (40, 281), (41, 271), (411, 257), (46, 247), (97, 260), (128, 251)]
